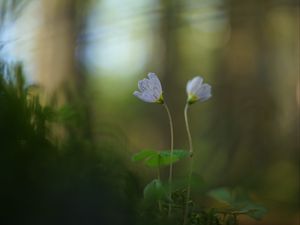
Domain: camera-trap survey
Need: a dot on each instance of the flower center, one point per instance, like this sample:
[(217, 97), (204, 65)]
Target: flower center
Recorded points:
[(160, 100), (192, 98)]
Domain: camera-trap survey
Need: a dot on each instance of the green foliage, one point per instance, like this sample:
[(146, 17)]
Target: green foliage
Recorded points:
[(154, 191), (42, 183), (156, 159), (238, 202), (222, 195), (142, 155), (66, 113), (196, 183), (204, 218), (158, 189), (230, 220)]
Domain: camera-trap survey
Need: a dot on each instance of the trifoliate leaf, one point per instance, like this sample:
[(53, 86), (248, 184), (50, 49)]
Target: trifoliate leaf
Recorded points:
[(142, 155)]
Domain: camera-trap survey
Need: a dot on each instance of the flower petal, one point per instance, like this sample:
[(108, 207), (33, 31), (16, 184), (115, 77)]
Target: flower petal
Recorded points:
[(194, 85), (150, 90), (144, 85), (155, 81), (204, 92), (145, 96), (189, 86)]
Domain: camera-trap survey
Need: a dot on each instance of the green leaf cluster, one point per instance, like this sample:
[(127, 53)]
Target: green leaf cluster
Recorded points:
[(156, 159), (238, 203)]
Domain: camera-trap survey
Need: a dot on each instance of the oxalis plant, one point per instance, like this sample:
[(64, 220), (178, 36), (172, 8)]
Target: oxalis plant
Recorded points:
[(173, 198)]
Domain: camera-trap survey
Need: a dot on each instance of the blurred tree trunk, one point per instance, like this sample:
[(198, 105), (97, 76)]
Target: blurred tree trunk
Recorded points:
[(56, 44), (58, 67), (245, 98)]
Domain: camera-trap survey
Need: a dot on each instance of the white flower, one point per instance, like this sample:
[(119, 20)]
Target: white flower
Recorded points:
[(196, 90), (150, 90)]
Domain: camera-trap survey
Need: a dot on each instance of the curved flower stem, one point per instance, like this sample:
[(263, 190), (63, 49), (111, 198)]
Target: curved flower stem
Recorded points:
[(191, 164), (188, 129), (171, 157), (158, 177)]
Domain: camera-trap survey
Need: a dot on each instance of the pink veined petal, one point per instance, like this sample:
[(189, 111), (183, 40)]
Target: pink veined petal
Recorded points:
[(155, 81), (155, 85), (144, 85), (149, 97), (156, 92), (150, 90), (145, 96), (141, 85)]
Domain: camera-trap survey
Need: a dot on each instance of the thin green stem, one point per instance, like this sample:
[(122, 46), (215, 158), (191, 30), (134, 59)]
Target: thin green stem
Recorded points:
[(171, 157), (158, 177), (188, 128), (191, 150)]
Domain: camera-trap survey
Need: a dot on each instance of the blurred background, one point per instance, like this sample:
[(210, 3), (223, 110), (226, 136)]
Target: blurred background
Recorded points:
[(84, 59)]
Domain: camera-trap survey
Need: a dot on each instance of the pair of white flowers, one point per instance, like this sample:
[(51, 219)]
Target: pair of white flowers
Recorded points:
[(150, 90)]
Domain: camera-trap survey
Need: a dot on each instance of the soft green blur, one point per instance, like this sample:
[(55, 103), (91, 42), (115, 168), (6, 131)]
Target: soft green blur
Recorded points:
[(91, 54)]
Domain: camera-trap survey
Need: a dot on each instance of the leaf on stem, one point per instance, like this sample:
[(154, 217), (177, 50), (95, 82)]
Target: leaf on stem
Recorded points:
[(159, 158), (142, 155)]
